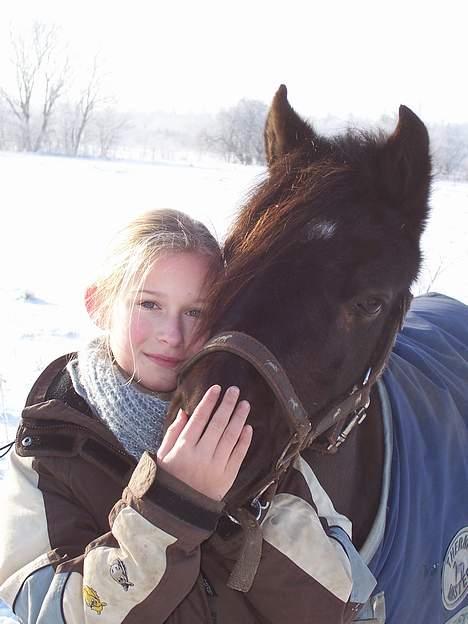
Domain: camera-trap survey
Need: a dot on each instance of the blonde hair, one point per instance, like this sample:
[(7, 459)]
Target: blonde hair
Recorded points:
[(138, 245)]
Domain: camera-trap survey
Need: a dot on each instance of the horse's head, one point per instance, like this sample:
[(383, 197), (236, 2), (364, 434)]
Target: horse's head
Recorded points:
[(317, 263)]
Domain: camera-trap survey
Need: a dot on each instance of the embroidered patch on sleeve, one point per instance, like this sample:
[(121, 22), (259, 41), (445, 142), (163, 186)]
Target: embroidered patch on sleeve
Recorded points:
[(118, 571), (92, 599)]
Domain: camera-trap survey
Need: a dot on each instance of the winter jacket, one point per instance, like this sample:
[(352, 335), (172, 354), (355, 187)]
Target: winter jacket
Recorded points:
[(89, 536)]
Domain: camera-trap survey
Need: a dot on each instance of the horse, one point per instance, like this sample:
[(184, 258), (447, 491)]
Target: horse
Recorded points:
[(319, 266)]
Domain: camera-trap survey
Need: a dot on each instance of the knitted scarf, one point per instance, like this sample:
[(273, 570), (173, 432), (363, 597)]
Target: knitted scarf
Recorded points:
[(133, 414)]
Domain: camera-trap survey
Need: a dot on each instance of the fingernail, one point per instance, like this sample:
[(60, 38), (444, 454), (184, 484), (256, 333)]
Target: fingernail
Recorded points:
[(216, 389), (233, 390)]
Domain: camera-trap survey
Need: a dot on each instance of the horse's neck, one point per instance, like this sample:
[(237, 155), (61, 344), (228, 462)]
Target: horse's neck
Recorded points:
[(352, 478)]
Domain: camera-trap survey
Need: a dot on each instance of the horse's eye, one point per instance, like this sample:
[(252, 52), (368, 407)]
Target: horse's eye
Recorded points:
[(370, 306)]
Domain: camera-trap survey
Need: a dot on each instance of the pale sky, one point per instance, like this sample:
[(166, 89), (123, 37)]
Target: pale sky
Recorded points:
[(343, 58)]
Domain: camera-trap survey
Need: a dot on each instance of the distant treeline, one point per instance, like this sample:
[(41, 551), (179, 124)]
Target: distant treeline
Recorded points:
[(234, 135), (44, 108)]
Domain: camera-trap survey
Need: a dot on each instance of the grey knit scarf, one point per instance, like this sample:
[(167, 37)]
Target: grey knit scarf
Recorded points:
[(133, 414)]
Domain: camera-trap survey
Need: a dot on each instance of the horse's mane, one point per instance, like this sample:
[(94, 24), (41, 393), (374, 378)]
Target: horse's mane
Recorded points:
[(272, 219)]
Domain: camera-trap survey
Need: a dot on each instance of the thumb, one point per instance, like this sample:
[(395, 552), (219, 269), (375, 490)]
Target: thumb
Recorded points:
[(172, 433)]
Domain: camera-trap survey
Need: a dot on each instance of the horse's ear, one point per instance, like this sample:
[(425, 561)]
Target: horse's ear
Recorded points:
[(406, 159), (284, 129)]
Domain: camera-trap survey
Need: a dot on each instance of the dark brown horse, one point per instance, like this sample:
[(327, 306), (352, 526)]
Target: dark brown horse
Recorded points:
[(319, 266), (317, 262)]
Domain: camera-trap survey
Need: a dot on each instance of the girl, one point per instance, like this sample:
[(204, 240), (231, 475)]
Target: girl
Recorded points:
[(104, 516)]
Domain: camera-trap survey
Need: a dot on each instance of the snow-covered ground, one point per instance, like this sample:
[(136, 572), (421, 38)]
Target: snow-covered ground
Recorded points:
[(57, 215)]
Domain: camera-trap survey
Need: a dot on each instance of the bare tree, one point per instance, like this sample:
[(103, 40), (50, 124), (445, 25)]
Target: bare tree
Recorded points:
[(55, 74), (450, 149), (110, 126), (223, 139), (239, 132), (40, 78), (4, 129), (89, 100)]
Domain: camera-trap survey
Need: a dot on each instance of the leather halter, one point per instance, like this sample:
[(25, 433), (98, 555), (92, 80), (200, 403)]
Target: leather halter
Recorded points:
[(334, 423)]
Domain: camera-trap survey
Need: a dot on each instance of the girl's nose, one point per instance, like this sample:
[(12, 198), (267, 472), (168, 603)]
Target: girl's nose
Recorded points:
[(170, 331)]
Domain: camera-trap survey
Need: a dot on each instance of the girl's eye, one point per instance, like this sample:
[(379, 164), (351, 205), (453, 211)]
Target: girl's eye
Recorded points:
[(149, 305), (194, 313)]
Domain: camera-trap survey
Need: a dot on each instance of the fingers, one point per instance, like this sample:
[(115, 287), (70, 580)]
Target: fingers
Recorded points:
[(239, 452), (232, 430), (173, 432), (206, 450), (219, 420), (201, 415)]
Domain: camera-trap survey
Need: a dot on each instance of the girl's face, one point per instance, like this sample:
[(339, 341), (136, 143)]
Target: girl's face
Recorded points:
[(151, 333)]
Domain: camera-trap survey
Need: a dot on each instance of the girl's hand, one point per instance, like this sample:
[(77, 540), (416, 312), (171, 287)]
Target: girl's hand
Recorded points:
[(207, 454)]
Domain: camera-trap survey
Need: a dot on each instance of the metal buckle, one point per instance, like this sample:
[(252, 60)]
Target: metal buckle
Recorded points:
[(366, 377), (358, 418)]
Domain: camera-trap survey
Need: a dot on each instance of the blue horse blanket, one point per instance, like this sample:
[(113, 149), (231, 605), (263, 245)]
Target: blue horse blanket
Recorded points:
[(420, 557)]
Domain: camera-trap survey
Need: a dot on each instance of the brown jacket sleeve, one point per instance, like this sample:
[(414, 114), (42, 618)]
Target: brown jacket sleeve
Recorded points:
[(146, 564)]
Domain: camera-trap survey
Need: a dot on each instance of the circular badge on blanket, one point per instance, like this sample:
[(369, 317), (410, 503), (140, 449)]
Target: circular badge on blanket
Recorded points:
[(455, 571)]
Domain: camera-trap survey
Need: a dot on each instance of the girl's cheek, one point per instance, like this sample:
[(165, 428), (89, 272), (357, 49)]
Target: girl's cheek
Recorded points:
[(140, 329)]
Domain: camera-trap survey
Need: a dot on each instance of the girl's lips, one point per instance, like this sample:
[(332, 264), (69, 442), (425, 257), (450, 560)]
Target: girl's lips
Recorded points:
[(166, 362)]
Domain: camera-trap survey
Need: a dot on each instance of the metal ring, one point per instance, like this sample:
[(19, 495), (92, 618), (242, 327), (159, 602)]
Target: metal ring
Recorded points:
[(27, 441), (258, 507)]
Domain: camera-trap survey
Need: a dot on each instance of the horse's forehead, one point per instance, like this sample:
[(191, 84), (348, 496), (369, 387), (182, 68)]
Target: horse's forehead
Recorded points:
[(320, 229)]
